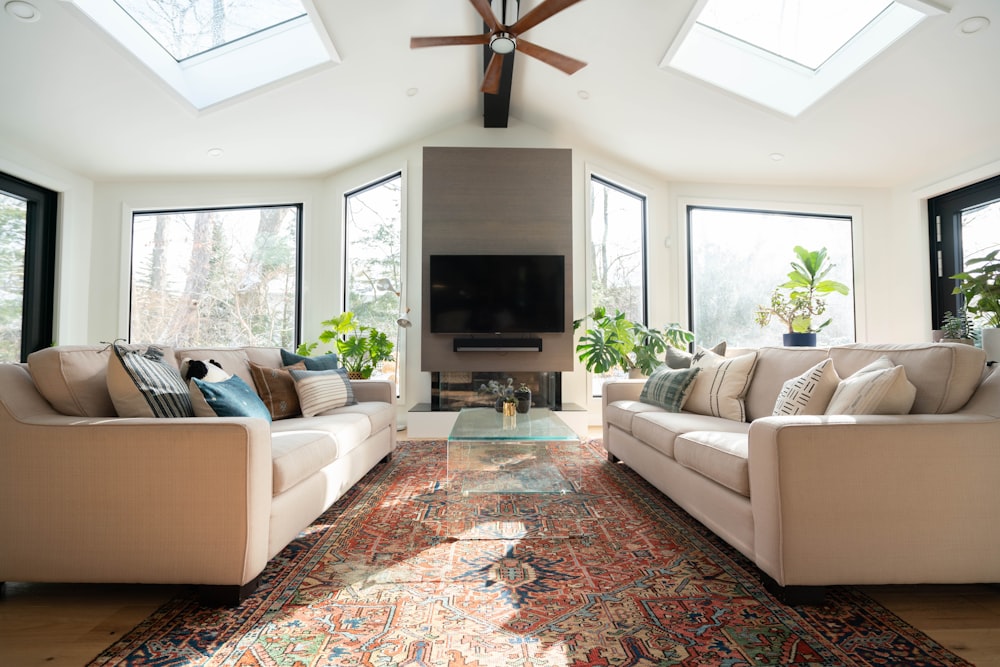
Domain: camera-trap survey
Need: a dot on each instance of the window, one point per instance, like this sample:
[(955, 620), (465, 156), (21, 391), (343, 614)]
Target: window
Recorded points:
[(963, 224), (216, 276), (213, 50), (786, 54), (617, 254), (373, 263), (737, 258), (27, 267)]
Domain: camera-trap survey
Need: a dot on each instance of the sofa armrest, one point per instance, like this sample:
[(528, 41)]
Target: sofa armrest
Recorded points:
[(133, 500), (374, 390), (621, 390), (876, 499)]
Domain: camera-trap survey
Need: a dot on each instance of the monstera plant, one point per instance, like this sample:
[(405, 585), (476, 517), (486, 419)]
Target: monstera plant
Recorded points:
[(360, 347), (614, 341)]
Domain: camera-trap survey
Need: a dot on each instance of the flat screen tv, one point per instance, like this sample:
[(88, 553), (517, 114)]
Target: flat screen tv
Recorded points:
[(497, 294)]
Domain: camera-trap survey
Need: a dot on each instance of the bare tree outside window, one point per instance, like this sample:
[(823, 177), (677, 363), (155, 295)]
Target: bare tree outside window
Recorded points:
[(215, 277), (617, 255), (13, 231), (373, 282)]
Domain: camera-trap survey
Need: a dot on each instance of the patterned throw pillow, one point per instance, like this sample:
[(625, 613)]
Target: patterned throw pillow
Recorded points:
[(721, 385), (142, 384), (880, 388), (809, 393), (320, 391), (324, 362), (682, 359), (231, 397), (276, 388), (669, 387)]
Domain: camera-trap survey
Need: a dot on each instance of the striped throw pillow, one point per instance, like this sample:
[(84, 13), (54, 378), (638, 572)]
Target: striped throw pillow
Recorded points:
[(142, 384), (668, 387), (320, 391)]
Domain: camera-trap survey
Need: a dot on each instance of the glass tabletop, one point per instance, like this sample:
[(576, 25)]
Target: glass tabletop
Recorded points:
[(488, 424)]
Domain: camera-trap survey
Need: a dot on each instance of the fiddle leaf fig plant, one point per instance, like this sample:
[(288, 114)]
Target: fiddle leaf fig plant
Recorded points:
[(800, 300), (360, 347), (614, 341)]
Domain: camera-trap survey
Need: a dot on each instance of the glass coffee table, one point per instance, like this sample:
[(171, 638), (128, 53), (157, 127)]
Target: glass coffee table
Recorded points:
[(524, 453)]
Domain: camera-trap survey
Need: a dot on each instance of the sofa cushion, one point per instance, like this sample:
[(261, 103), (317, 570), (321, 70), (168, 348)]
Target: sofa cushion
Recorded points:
[(945, 374), (321, 391), (668, 387), (74, 379), (231, 397), (721, 457), (323, 362), (621, 413), (775, 366), (721, 385), (809, 393), (682, 358), (143, 383), (300, 447), (276, 388), (659, 429), (880, 388)]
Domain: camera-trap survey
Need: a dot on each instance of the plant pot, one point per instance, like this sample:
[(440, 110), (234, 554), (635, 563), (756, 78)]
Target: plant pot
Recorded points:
[(355, 375), (799, 339), (991, 343), (963, 341), (636, 374), (509, 409), (523, 396)]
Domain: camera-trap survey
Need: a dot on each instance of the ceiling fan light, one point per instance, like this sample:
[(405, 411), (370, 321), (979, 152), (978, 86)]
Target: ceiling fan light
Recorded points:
[(502, 43)]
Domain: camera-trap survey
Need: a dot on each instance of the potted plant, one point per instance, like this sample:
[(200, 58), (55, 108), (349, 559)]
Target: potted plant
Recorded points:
[(360, 347), (956, 328), (980, 285), (800, 300), (615, 341), (501, 394)]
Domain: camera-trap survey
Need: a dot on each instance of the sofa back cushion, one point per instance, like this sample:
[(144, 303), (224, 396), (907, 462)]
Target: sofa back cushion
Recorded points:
[(775, 366), (945, 374), (74, 379)]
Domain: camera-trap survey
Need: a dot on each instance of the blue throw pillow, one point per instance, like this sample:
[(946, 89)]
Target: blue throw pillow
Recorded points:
[(668, 387), (232, 398), (324, 362)]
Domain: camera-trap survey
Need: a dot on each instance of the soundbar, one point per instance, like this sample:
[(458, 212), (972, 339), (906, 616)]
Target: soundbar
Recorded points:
[(498, 345)]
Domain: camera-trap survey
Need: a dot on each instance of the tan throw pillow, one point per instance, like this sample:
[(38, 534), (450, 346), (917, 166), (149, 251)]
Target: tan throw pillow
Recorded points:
[(721, 385), (682, 358), (320, 391), (276, 388), (809, 393), (880, 388)]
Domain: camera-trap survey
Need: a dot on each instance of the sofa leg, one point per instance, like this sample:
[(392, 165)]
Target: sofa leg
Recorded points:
[(795, 596), (386, 458), (227, 596), (612, 458)]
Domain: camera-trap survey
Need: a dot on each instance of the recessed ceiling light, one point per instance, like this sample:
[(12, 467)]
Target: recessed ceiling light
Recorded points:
[(974, 24), (777, 157), (22, 11), (215, 152), (410, 92)]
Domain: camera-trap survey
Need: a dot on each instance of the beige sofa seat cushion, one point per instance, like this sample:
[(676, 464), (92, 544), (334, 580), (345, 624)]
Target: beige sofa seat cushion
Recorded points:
[(621, 413), (302, 446), (74, 379), (659, 429), (719, 456), (380, 414), (776, 365), (945, 374)]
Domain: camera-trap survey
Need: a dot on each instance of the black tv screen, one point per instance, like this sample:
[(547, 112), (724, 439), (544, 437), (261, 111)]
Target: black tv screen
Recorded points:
[(497, 294)]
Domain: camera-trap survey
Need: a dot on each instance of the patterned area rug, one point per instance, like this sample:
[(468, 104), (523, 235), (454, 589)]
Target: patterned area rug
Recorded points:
[(400, 572)]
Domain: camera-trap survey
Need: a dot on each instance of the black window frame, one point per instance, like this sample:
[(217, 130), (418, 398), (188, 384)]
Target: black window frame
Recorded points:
[(944, 216), (38, 305)]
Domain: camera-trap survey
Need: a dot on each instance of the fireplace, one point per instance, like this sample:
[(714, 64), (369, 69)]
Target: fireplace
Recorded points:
[(453, 390)]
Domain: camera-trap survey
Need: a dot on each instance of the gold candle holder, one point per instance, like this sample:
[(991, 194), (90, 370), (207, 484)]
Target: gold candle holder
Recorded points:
[(509, 409)]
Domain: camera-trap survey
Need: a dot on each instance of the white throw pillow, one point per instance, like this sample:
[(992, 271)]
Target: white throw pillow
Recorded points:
[(880, 388), (320, 391), (721, 384), (809, 393)]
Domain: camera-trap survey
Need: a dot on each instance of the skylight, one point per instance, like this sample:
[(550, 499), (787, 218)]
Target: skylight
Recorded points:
[(213, 50), (786, 54)]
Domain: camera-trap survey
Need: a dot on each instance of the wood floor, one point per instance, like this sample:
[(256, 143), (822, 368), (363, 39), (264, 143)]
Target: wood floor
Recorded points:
[(67, 625)]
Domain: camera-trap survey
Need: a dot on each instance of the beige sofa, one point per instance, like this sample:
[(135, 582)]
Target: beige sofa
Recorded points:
[(86, 496), (835, 499)]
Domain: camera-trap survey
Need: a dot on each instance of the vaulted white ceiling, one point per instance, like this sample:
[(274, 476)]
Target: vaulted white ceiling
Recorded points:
[(926, 108)]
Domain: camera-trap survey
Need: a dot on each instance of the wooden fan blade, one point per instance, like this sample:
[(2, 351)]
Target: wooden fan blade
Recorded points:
[(484, 9), (539, 14), (491, 80), (420, 42), (549, 57)]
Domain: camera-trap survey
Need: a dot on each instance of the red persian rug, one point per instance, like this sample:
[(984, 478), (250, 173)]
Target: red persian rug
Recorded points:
[(400, 572)]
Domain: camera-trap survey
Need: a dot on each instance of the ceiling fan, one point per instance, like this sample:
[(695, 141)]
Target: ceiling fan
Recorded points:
[(503, 39)]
